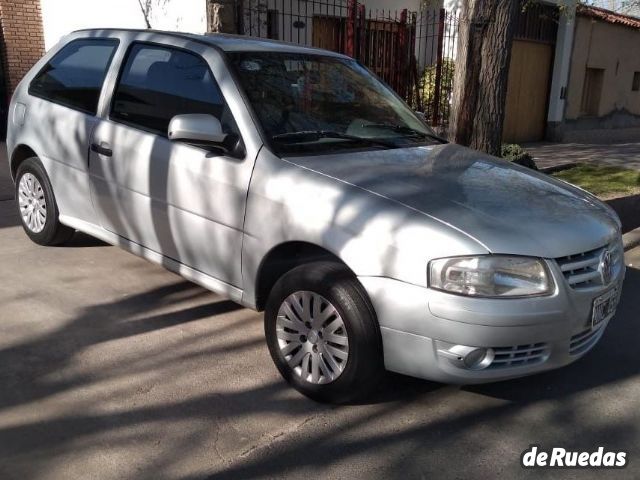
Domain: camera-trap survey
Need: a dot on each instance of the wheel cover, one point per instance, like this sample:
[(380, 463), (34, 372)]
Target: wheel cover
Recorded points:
[(312, 337), (31, 201)]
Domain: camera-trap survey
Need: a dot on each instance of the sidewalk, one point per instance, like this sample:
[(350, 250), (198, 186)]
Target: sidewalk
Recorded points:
[(625, 155)]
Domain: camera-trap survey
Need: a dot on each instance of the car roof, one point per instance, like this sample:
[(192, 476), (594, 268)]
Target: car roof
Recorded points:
[(223, 41)]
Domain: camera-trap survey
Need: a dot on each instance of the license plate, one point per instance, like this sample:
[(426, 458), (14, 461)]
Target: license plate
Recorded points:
[(604, 306)]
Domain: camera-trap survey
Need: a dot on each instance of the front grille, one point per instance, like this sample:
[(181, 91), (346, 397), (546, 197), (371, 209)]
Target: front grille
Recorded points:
[(582, 269), (583, 341), (519, 355)]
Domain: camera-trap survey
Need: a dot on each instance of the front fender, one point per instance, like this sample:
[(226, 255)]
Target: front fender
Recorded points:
[(372, 235)]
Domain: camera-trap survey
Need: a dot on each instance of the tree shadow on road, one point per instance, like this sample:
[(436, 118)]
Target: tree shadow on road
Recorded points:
[(409, 428), (9, 213), (472, 433), (41, 369), (39, 358)]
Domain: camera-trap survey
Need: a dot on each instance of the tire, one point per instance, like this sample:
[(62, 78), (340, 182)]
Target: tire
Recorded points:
[(45, 231), (325, 376)]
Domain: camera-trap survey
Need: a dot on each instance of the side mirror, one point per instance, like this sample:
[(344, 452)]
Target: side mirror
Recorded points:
[(197, 128)]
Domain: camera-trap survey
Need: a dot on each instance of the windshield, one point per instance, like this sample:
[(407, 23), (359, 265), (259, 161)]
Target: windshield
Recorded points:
[(320, 104)]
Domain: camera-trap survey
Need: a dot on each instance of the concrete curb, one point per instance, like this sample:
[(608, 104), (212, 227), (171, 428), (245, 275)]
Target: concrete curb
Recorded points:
[(627, 209), (557, 168), (631, 239)]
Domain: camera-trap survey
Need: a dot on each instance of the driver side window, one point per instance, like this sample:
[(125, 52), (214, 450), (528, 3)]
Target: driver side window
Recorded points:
[(160, 82)]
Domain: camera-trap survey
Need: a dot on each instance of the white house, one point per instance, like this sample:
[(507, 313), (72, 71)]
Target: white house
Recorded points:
[(60, 17)]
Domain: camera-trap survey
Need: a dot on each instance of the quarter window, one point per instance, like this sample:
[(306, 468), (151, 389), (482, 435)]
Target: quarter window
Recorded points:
[(159, 82), (74, 76)]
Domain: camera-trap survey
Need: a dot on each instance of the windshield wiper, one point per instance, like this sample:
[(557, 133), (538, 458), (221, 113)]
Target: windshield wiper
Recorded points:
[(404, 129), (315, 135)]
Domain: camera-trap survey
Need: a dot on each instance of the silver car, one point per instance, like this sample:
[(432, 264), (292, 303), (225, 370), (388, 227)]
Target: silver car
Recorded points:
[(293, 181)]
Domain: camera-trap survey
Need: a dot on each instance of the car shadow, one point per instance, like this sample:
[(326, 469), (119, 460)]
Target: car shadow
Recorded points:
[(394, 387), (82, 240)]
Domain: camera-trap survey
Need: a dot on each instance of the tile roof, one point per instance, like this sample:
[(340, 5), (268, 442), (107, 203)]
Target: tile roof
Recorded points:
[(608, 16)]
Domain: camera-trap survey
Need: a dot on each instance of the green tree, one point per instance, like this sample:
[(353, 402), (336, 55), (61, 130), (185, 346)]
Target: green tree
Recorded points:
[(427, 85)]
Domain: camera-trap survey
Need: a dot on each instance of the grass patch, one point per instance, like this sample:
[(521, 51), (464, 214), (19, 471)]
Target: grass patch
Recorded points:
[(602, 180)]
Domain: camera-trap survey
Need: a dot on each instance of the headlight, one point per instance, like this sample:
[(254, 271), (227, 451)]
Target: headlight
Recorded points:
[(491, 276)]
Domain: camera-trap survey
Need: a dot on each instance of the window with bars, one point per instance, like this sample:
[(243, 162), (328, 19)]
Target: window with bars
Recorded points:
[(273, 30)]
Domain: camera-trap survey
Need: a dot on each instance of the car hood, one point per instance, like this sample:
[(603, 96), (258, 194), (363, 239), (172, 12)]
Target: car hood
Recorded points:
[(505, 207)]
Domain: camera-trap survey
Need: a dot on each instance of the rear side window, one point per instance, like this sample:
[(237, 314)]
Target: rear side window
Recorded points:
[(160, 82), (74, 76)]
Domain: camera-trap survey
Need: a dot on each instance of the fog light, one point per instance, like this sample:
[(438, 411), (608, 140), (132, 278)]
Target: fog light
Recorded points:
[(471, 358), (478, 358)]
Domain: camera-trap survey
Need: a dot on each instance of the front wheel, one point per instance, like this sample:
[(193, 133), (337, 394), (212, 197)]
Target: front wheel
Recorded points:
[(322, 333), (37, 205)]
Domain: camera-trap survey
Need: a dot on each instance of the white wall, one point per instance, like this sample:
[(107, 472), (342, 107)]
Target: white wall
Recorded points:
[(60, 17), (411, 5)]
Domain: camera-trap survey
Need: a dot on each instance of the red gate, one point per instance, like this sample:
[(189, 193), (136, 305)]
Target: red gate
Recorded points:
[(384, 43)]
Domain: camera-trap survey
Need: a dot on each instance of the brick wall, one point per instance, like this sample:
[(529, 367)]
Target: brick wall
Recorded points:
[(23, 38)]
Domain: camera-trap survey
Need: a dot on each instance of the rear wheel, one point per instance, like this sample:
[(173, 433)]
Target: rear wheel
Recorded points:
[(37, 205), (322, 333)]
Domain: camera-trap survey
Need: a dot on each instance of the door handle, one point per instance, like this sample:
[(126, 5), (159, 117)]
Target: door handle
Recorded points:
[(101, 149)]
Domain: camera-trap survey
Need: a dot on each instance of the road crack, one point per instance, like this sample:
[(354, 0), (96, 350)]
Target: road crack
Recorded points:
[(268, 439)]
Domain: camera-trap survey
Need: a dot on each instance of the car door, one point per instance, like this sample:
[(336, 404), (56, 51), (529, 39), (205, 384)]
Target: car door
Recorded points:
[(182, 201), (60, 114)]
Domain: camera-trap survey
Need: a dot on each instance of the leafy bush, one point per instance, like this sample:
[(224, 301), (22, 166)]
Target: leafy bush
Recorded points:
[(516, 154), (427, 85)]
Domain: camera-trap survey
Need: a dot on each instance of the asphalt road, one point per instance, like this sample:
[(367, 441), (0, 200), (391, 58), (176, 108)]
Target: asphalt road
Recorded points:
[(112, 368)]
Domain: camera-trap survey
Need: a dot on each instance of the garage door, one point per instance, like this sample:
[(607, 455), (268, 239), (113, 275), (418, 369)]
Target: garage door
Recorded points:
[(527, 92)]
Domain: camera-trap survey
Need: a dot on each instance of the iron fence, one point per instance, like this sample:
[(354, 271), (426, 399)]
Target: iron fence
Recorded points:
[(320, 23), (436, 47)]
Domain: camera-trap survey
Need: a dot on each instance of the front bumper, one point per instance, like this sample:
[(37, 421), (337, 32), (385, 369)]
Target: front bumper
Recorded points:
[(528, 335)]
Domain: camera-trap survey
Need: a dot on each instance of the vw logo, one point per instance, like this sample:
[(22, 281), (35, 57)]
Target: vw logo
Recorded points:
[(606, 267)]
